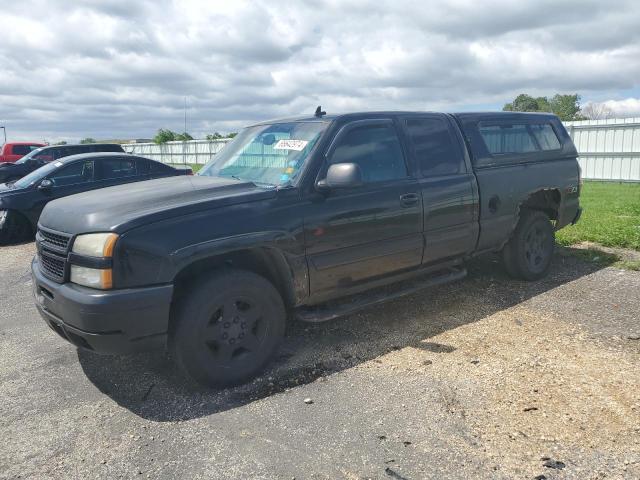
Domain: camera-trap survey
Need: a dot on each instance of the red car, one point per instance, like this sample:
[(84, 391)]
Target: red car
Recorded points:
[(16, 150)]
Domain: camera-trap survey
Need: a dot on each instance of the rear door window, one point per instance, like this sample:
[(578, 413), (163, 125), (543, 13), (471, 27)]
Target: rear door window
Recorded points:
[(157, 168), (435, 149), (376, 149), (118, 168)]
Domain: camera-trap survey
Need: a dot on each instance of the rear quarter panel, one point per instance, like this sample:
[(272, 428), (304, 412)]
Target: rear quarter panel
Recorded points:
[(508, 187)]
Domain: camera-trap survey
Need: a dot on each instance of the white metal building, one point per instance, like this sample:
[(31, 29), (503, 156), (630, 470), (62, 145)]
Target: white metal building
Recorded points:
[(609, 149)]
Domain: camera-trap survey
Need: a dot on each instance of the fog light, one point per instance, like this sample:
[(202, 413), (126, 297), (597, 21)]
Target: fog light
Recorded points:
[(92, 277)]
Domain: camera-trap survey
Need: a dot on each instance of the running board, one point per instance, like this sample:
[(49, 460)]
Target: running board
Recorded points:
[(324, 312)]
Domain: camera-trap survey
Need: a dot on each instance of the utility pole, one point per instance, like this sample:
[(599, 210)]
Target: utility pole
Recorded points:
[(184, 140)]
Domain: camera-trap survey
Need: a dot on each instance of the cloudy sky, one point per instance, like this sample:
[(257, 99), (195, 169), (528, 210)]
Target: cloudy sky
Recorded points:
[(122, 68)]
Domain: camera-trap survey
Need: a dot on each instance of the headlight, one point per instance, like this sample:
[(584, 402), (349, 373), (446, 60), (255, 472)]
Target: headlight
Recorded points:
[(92, 277), (95, 244), (99, 245)]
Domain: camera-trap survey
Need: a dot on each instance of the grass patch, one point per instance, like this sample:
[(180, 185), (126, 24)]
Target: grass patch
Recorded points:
[(611, 216)]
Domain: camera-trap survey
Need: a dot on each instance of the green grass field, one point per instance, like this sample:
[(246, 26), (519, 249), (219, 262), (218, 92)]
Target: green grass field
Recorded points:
[(611, 216)]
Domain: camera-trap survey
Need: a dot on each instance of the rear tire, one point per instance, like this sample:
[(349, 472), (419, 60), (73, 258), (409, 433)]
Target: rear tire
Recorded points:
[(228, 328), (528, 253), (14, 227)]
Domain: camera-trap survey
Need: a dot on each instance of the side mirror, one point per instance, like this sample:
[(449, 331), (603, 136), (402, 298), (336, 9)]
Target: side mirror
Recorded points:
[(45, 185), (342, 175)]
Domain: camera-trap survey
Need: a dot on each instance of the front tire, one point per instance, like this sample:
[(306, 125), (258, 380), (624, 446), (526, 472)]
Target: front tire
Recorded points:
[(228, 328), (528, 253)]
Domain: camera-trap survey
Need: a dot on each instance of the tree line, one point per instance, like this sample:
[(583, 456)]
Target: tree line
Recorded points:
[(165, 135), (566, 107)]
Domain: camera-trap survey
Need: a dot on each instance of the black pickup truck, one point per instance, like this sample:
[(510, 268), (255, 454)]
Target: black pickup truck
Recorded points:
[(302, 218)]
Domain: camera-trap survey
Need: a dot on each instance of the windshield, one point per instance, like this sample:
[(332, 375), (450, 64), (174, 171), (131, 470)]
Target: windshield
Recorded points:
[(266, 154), (36, 175), (29, 155)]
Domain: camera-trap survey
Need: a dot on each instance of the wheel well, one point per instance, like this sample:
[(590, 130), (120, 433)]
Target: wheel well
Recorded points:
[(25, 219), (547, 201), (265, 262)]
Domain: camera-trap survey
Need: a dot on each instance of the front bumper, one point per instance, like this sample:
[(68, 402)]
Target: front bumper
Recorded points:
[(110, 322)]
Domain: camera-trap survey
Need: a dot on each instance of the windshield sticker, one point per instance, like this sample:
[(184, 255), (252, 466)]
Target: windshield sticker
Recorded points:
[(289, 170), (291, 144), (284, 178)]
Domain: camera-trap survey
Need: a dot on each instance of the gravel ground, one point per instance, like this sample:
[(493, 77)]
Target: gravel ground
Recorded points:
[(486, 378)]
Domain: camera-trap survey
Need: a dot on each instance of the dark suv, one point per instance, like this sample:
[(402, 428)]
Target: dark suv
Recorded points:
[(292, 219), (10, 172)]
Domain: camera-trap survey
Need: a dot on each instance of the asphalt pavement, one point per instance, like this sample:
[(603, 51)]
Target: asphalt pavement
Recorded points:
[(485, 378)]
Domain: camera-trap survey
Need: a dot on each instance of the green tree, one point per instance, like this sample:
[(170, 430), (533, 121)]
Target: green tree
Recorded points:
[(217, 136), (88, 140), (567, 107), (543, 104), (164, 135), (61, 143), (183, 137), (522, 103)]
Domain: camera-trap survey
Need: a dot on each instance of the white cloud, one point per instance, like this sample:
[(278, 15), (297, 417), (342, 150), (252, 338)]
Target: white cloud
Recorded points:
[(116, 68), (629, 107)]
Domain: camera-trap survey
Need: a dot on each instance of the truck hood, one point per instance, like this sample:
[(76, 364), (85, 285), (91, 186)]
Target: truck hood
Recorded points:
[(124, 207)]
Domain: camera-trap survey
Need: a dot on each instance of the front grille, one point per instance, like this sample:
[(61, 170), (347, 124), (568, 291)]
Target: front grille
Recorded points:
[(58, 240), (53, 248), (52, 266)]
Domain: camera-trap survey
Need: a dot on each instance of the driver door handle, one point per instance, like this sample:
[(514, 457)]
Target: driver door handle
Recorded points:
[(409, 199)]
